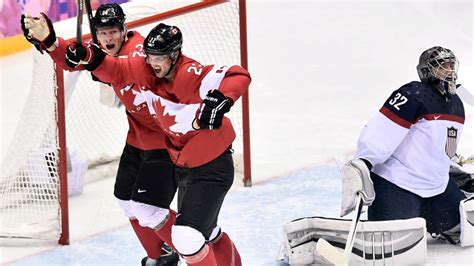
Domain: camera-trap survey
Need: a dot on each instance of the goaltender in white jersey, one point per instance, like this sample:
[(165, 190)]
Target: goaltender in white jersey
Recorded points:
[(401, 171), (408, 146)]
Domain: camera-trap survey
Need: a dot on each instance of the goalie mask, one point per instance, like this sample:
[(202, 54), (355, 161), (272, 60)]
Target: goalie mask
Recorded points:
[(438, 66), (109, 15), (164, 40)]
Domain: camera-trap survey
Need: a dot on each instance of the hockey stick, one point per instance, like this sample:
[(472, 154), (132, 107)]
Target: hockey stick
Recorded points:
[(91, 21), (332, 254), (461, 161), (80, 10)]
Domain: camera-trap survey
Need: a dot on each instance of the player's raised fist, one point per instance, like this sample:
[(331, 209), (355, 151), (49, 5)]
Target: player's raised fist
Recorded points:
[(90, 55), (38, 30)]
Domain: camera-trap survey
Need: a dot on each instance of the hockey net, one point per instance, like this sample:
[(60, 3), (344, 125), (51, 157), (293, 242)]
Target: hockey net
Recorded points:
[(33, 202)]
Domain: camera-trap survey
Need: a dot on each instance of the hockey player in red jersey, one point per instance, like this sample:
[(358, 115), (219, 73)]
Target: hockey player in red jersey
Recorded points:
[(189, 105), (145, 183)]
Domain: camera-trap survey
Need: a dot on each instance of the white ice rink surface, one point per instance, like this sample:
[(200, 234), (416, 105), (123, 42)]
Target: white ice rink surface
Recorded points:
[(320, 70)]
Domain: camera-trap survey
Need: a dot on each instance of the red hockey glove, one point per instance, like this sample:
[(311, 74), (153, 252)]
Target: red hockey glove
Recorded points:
[(212, 111), (89, 55), (38, 30)]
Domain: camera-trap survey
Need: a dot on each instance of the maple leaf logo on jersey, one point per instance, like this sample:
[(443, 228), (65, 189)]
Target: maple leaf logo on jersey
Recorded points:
[(164, 119), (126, 88), (174, 118), (184, 115), (139, 96)]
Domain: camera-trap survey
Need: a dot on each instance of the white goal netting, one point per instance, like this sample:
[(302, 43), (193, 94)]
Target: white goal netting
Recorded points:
[(95, 133)]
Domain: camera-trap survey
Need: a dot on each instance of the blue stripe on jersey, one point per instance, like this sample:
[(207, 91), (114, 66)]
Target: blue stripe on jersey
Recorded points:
[(416, 100)]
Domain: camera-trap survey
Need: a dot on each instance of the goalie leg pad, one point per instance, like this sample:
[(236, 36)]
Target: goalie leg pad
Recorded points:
[(466, 209), (396, 242)]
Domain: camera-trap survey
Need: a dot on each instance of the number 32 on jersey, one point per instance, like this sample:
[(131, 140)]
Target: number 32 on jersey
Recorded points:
[(398, 101)]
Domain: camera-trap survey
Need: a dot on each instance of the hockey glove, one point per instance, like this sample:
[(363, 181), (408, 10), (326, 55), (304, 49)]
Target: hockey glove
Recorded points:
[(38, 30), (355, 180), (90, 55), (212, 111)]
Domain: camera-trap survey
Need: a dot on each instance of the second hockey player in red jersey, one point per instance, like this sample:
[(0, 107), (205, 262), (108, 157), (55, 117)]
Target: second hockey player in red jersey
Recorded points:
[(189, 101), (145, 184)]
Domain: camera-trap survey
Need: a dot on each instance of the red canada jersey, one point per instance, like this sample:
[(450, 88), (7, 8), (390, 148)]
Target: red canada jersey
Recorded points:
[(143, 131), (174, 105)]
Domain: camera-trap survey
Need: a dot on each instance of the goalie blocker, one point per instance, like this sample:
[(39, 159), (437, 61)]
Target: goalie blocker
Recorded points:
[(396, 242)]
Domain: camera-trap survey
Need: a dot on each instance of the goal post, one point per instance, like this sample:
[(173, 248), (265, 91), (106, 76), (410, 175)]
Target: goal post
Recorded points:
[(64, 120), (62, 160)]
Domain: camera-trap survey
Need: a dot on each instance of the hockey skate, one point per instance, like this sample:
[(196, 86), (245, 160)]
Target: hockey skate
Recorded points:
[(168, 258)]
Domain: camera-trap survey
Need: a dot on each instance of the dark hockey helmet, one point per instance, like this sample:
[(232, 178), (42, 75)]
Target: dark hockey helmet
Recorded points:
[(109, 15), (438, 66), (163, 40)]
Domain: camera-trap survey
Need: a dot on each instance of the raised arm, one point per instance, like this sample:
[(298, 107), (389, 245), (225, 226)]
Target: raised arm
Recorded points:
[(108, 69), (125, 69), (40, 32), (226, 86), (58, 54), (236, 81)]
